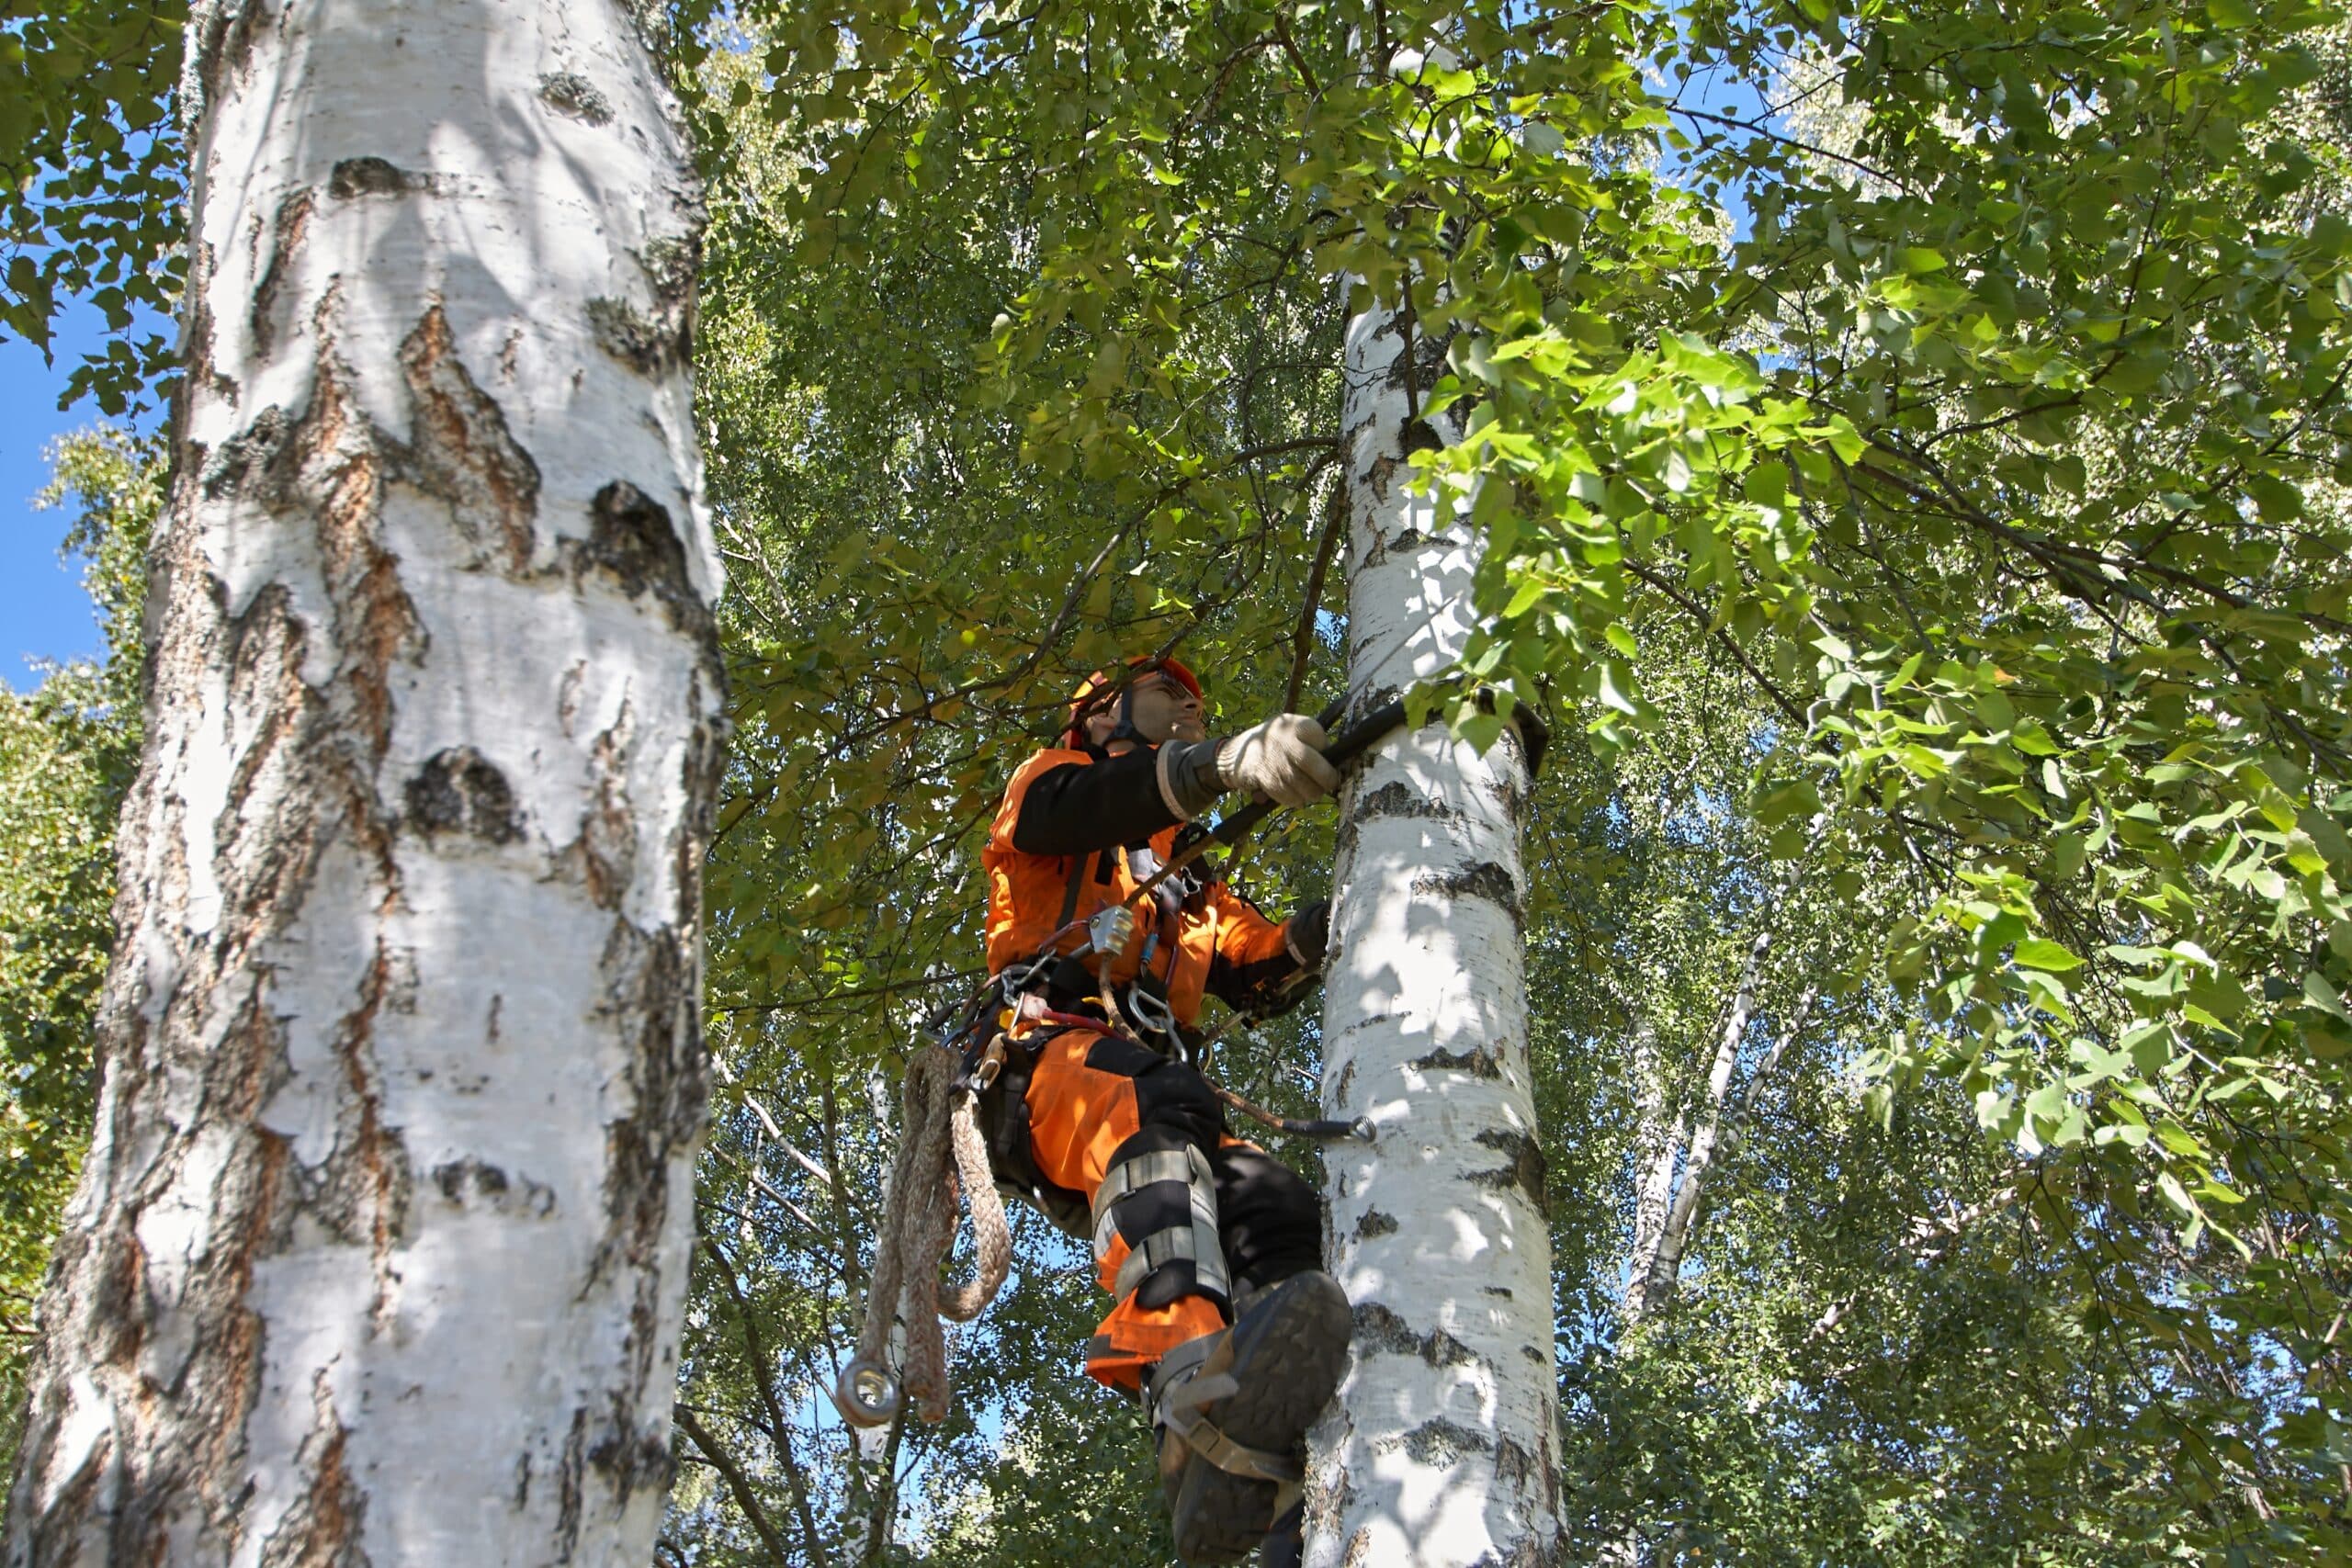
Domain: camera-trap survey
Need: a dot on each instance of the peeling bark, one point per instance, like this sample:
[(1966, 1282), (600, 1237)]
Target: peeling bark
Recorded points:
[(1440, 1451), (380, 1253)]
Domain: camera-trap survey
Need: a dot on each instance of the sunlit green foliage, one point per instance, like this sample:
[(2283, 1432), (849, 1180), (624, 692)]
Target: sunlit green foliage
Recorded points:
[(91, 176), (67, 752)]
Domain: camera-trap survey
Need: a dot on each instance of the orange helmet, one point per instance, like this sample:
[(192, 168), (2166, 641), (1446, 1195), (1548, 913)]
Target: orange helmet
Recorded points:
[(1085, 701)]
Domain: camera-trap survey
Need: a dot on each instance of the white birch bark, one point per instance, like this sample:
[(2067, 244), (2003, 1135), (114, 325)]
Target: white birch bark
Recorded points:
[(1650, 1281), (379, 1254), (1441, 1448), (1659, 1129)]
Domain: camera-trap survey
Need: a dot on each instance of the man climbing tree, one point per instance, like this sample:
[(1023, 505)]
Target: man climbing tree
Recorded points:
[(1101, 965)]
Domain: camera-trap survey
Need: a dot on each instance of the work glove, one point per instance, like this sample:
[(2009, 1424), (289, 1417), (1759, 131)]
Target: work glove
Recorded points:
[(1281, 760), (1307, 933)]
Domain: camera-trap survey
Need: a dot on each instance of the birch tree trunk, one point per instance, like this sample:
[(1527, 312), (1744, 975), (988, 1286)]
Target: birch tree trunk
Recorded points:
[(1659, 1127), (1441, 1448), (1657, 1255), (379, 1254)]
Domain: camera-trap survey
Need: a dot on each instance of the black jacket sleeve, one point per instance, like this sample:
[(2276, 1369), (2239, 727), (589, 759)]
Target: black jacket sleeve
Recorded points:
[(1081, 807), (1263, 988)]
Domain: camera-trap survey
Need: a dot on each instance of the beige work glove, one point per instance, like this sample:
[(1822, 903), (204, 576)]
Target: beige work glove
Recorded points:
[(1281, 760)]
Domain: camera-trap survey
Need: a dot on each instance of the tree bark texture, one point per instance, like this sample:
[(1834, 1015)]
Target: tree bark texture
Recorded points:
[(1441, 1448), (1653, 1278), (380, 1251), (1660, 1125)]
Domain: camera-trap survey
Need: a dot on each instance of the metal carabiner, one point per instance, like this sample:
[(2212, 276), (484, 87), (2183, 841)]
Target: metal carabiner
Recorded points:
[(867, 1393), (1151, 1011)]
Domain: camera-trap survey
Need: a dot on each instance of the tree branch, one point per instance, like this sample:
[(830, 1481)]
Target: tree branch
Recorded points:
[(739, 1483), (1302, 642), (780, 1427)]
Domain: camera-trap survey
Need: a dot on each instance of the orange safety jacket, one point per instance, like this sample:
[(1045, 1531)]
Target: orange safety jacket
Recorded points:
[(1220, 942)]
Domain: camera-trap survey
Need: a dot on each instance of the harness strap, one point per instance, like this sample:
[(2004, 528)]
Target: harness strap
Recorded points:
[(1198, 1373), (1069, 893), (1204, 1439)]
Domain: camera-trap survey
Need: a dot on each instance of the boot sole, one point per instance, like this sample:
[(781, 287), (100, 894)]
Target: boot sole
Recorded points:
[(1289, 1354)]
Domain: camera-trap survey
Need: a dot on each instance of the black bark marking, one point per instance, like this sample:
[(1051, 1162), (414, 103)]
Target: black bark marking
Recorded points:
[(567, 1521), (649, 981), (286, 238), (356, 177), (604, 855), (1485, 880), (633, 542), (460, 791), (569, 92), (247, 453), (1481, 1063), (1398, 799), (1378, 1329), (1393, 801), (462, 452), (471, 1183), (362, 1191), (1525, 1170), (622, 330), (322, 1528), (630, 1462), (705, 762), (1375, 1224), (1438, 1442), (671, 265)]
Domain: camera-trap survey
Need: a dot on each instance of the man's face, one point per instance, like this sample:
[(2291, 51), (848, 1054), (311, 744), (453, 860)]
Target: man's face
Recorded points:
[(1164, 710)]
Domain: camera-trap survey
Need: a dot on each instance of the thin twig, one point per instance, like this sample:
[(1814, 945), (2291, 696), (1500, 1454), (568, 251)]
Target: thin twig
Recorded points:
[(1302, 642)]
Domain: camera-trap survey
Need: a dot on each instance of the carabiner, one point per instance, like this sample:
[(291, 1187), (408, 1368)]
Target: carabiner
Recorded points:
[(867, 1393)]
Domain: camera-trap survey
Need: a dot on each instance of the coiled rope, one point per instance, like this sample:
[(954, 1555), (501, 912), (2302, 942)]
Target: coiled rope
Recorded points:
[(941, 1155)]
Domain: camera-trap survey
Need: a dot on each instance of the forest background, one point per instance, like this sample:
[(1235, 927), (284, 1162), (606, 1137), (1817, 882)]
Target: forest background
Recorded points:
[(1910, 442)]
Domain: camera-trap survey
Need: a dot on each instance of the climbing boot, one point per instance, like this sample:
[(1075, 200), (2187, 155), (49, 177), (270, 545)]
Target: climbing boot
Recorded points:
[(1231, 1410), (1286, 1542)]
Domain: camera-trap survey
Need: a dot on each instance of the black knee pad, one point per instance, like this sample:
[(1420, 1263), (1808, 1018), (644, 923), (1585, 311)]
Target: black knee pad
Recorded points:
[(1271, 1217)]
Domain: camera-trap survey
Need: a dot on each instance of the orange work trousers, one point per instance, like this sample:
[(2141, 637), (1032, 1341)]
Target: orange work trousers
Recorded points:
[(1095, 1100)]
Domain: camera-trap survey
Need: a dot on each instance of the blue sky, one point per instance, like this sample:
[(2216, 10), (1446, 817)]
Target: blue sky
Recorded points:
[(43, 612)]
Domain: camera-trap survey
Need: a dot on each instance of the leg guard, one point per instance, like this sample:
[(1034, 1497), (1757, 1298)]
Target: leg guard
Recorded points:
[(1155, 1223), (1269, 1220)]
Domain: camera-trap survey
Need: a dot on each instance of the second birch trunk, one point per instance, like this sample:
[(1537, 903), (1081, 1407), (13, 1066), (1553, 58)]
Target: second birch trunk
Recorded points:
[(1442, 1448)]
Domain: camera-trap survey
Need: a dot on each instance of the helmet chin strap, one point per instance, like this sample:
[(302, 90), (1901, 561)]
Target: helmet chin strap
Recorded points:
[(1124, 729)]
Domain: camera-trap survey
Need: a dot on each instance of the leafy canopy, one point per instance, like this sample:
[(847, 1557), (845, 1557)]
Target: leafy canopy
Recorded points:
[(92, 178)]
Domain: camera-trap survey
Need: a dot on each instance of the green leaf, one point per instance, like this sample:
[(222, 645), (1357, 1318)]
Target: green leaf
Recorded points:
[(2322, 994), (2039, 952)]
